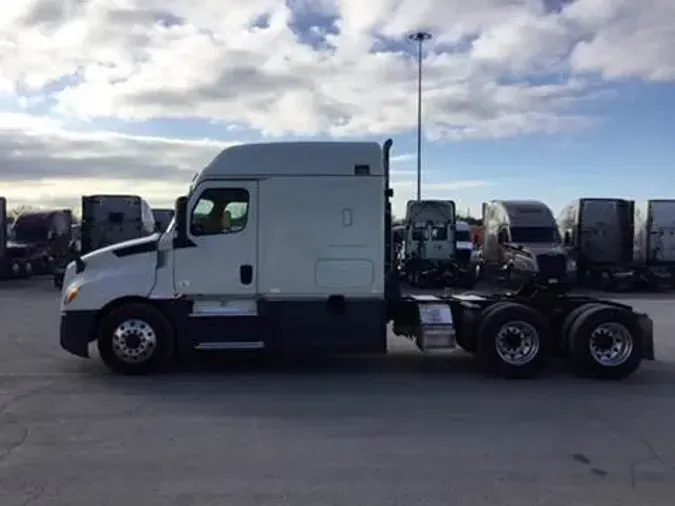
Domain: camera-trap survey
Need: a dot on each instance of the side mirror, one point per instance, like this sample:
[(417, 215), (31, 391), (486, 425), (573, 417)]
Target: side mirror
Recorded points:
[(181, 218)]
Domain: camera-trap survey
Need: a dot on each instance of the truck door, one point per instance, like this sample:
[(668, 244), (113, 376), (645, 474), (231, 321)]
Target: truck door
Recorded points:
[(219, 263), (661, 229)]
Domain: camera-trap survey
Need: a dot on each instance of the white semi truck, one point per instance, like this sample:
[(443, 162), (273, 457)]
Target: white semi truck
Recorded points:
[(287, 247)]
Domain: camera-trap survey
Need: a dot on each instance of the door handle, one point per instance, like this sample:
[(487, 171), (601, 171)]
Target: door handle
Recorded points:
[(246, 274)]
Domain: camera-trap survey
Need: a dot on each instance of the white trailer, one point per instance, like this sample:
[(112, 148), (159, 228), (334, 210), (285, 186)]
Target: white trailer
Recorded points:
[(287, 247)]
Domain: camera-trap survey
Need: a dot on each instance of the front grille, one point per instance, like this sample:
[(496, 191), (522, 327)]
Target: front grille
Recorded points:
[(463, 256), (552, 266)]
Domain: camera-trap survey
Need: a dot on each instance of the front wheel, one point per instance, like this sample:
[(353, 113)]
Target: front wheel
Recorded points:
[(135, 339)]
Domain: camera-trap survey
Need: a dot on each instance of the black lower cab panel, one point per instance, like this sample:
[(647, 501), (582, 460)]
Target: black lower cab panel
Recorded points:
[(331, 325)]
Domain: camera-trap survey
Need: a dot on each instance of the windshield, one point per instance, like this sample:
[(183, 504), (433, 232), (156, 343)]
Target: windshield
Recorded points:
[(534, 235), (439, 233), (419, 233), (30, 229), (463, 236)]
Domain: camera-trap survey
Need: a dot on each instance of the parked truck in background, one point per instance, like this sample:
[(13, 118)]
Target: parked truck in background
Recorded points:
[(428, 253), (520, 241), (654, 241), (27, 245), (43, 236), (466, 255), (598, 234), (111, 219), (227, 276), (107, 220)]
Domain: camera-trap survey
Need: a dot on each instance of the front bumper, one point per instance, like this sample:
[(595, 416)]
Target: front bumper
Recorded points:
[(76, 331)]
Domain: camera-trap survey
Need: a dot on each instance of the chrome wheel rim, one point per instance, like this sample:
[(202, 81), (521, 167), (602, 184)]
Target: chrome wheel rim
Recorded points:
[(610, 344), (517, 343), (134, 341)]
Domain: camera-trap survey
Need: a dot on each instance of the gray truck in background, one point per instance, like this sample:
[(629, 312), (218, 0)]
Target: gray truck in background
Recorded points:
[(111, 219), (108, 220), (522, 244), (654, 241), (598, 234)]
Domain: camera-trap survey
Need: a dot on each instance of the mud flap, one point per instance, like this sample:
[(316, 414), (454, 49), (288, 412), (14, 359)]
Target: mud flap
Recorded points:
[(647, 326)]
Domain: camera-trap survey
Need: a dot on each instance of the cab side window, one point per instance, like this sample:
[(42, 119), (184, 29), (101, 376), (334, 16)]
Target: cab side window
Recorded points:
[(220, 211)]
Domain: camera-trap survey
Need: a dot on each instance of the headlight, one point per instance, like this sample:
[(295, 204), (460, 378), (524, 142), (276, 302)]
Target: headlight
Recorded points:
[(71, 295)]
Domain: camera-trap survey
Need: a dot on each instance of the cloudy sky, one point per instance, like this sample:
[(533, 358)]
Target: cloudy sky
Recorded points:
[(546, 99)]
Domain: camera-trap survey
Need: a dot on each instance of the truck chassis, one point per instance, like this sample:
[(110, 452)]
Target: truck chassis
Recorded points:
[(513, 335)]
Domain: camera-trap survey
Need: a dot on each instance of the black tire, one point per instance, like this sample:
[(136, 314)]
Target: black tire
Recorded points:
[(494, 321), (566, 327), (583, 361), (467, 337), (155, 359)]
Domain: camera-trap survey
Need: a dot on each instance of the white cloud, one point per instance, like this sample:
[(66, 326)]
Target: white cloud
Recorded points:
[(138, 59), (42, 163), (626, 38), (403, 158), (406, 189)]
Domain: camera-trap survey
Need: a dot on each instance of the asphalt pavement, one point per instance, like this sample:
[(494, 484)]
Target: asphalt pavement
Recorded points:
[(403, 429)]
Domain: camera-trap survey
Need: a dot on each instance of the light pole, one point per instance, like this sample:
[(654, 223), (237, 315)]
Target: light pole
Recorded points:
[(420, 38)]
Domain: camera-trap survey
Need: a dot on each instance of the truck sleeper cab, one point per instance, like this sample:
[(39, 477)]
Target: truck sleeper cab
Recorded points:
[(598, 234), (288, 247), (429, 242)]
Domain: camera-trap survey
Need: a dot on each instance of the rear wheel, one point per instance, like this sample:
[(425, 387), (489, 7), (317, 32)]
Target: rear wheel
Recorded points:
[(514, 341), (467, 337), (605, 343), (567, 326), (135, 339)]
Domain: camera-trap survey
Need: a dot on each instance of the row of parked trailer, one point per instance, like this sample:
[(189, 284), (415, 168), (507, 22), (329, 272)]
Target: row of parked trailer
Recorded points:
[(601, 242), (44, 242)]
